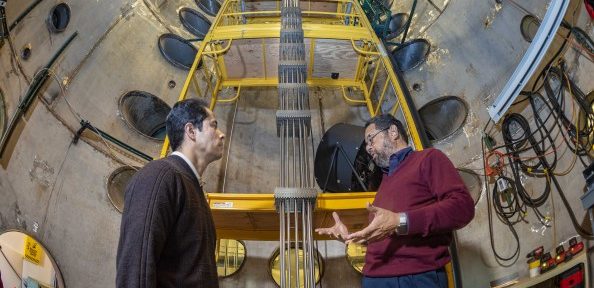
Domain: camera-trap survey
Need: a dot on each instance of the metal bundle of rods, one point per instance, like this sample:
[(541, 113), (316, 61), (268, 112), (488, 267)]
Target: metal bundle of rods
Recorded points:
[(296, 196)]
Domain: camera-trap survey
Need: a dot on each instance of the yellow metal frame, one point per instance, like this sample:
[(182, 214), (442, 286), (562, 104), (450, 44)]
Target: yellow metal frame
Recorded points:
[(232, 24)]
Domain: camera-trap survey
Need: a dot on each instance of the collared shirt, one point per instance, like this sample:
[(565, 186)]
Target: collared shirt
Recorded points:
[(177, 153), (396, 159)]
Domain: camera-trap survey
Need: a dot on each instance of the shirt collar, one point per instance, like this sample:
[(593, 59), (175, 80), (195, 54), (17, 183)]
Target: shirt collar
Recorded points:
[(396, 159), (181, 155)]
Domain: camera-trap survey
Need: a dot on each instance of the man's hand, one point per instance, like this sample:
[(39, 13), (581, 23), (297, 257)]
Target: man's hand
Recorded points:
[(384, 223), (338, 231)]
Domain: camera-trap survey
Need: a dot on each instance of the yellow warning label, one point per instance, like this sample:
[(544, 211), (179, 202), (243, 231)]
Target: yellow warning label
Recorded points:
[(33, 251)]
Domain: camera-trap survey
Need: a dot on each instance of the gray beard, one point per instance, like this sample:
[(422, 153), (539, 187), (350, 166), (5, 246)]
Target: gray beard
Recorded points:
[(382, 161)]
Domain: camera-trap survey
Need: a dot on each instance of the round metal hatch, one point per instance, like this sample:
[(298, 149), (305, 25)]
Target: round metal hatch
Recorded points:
[(58, 18), (177, 50), (473, 183), (210, 7), (116, 186), (411, 54), (275, 270), (397, 25), (355, 254), (230, 256), (443, 116), (194, 21), (145, 113), (17, 246), (529, 27)]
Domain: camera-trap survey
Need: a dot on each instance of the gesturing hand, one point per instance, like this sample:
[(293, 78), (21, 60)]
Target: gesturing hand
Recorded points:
[(338, 231), (383, 225)]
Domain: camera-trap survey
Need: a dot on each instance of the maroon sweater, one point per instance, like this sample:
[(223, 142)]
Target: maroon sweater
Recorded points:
[(429, 189)]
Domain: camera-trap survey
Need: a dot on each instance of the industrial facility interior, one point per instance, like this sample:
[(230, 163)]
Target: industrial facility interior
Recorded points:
[(505, 88)]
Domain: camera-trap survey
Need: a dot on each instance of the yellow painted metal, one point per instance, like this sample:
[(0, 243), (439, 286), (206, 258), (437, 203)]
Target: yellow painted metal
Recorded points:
[(272, 30), (232, 99), (254, 217), (361, 51), (227, 27), (271, 82), (352, 101)]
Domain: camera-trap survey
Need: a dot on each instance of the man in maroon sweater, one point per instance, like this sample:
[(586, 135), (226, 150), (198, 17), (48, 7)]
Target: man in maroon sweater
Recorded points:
[(420, 201)]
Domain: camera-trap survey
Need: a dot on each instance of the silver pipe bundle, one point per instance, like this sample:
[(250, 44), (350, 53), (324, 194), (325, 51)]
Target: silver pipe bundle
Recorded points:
[(296, 196)]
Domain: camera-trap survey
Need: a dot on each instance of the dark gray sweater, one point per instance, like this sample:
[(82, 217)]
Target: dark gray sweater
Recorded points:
[(167, 236)]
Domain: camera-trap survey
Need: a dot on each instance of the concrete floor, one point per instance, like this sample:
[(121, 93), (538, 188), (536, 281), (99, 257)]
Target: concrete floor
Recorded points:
[(57, 191)]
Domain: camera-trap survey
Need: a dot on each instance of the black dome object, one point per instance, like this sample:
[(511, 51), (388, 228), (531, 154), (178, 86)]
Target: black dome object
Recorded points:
[(177, 50), (333, 170), (411, 54), (59, 18), (397, 25), (210, 7), (194, 21), (443, 116)]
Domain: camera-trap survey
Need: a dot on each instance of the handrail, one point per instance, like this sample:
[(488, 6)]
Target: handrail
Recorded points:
[(219, 51), (362, 52), (231, 99)]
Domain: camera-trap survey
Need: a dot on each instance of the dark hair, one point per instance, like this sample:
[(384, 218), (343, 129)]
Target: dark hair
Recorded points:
[(183, 112), (384, 121)]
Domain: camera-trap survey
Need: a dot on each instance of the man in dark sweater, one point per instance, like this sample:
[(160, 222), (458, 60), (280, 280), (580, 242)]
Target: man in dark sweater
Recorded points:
[(167, 236), (420, 201)]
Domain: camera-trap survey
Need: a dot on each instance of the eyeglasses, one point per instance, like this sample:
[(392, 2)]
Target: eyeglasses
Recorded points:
[(371, 136)]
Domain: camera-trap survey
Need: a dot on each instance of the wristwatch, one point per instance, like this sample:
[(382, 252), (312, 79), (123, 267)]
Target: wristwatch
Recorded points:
[(402, 228)]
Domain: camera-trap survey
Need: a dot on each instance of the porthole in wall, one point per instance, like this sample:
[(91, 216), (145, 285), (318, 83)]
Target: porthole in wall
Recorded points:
[(58, 18), (411, 54), (529, 27), (275, 271), (355, 255), (473, 183), (116, 185), (177, 50), (145, 113), (24, 254), (396, 25), (194, 22), (210, 7), (230, 256), (443, 116), (26, 52)]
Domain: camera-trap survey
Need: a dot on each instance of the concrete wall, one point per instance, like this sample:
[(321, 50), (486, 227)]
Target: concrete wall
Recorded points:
[(56, 190)]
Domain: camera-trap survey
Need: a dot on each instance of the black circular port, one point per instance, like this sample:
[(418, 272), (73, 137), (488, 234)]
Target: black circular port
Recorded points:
[(473, 183), (210, 7), (194, 21), (58, 18), (411, 54), (417, 87), (26, 52), (443, 116), (177, 50), (397, 25), (116, 186), (145, 113), (529, 27), (171, 84)]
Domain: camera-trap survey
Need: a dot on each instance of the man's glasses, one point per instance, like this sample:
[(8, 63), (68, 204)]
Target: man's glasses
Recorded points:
[(371, 136)]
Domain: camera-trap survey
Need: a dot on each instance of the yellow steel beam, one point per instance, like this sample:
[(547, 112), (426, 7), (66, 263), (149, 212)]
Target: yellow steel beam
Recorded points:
[(272, 30), (272, 82), (254, 217)]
